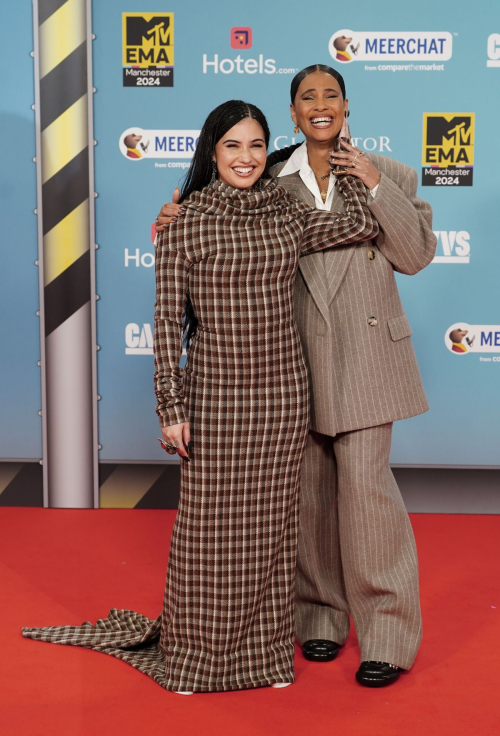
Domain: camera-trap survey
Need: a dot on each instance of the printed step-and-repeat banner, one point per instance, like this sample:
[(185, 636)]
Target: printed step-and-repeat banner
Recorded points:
[(423, 87), (422, 83)]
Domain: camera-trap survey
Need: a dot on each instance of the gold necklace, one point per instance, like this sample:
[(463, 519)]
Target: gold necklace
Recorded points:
[(323, 192)]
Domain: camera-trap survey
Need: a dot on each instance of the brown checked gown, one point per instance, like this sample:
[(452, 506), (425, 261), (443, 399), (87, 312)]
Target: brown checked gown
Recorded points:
[(228, 613)]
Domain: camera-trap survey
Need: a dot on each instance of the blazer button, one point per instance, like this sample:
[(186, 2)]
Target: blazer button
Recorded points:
[(372, 321), (371, 255)]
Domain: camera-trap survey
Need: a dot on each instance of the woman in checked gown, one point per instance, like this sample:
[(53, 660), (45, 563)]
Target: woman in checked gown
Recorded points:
[(237, 414)]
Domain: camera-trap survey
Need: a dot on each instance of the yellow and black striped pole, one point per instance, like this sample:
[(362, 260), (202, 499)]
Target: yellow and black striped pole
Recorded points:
[(63, 110)]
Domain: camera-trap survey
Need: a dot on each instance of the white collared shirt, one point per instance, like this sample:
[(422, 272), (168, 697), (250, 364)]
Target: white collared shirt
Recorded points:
[(299, 161)]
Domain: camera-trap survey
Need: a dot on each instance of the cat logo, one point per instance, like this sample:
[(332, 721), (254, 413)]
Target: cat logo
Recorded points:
[(448, 149), (148, 49)]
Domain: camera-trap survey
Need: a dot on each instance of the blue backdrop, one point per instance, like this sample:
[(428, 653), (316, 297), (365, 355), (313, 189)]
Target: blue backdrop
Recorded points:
[(218, 51), (20, 424)]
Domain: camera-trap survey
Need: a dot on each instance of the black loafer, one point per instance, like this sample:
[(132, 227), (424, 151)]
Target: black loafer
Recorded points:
[(320, 650), (377, 674)]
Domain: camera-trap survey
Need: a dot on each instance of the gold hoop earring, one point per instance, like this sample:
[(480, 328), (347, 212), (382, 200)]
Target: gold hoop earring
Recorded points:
[(296, 130)]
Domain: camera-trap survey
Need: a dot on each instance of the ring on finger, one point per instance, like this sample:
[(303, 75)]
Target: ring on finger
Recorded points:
[(168, 447)]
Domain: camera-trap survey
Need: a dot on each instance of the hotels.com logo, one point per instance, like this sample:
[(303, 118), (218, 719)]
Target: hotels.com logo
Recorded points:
[(241, 37)]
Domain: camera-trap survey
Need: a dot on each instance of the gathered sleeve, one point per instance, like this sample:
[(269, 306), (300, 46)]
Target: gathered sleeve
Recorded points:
[(171, 269), (326, 229)]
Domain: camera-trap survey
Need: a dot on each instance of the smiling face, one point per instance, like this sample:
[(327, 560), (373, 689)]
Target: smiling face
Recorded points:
[(318, 108), (241, 154)]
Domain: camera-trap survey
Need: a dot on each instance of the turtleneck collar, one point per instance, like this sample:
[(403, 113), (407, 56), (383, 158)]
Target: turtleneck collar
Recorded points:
[(221, 199)]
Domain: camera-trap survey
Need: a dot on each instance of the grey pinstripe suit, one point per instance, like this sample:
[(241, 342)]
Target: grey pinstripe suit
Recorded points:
[(356, 548)]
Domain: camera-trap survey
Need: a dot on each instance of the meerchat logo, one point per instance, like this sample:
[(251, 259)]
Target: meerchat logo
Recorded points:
[(136, 144), (453, 246), (391, 46), (493, 50), (148, 49), (462, 338), (448, 149)]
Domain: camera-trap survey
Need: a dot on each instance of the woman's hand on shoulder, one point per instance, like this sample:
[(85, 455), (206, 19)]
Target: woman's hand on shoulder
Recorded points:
[(358, 164), (169, 212)]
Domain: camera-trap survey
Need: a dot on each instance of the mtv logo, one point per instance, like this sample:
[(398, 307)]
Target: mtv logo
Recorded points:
[(241, 37), (148, 29), (448, 139)]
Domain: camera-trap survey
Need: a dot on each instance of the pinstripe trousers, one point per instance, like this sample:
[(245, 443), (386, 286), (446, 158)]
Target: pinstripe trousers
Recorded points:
[(356, 550)]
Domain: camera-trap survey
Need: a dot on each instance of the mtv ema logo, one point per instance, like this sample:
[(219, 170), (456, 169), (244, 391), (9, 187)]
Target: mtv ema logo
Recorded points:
[(453, 246), (448, 149), (463, 338), (392, 46), (138, 339), (136, 143), (148, 49)]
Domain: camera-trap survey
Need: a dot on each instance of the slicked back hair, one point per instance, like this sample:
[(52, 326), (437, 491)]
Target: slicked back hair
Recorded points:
[(298, 78)]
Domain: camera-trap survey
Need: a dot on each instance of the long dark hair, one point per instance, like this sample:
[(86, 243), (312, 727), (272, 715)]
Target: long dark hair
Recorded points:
[(220, 120), (283, 154)]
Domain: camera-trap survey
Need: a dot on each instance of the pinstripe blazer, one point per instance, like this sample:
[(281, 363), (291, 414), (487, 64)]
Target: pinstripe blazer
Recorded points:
[(355, 335)]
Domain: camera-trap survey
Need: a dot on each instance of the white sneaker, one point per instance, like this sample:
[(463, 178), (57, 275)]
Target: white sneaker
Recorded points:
[(183, 692), (281, 684)]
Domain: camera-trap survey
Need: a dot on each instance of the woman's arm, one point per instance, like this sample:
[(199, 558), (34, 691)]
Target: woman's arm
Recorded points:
[(405, 238), (171, 268), (326, 229)]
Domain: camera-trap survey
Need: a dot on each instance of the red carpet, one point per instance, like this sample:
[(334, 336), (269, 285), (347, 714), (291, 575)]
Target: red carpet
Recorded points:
[(66, 567)]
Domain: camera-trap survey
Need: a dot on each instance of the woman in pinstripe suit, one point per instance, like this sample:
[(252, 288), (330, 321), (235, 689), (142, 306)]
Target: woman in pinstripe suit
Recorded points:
[(356, 553), (228, 614)]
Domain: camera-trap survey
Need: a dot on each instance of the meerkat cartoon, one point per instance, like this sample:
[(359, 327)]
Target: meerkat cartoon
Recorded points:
[(340, 44), (456, 337)]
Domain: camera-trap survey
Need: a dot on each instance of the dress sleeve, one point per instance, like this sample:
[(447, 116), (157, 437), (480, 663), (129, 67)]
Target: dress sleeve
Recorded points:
[(171, 269), (325, 229)]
